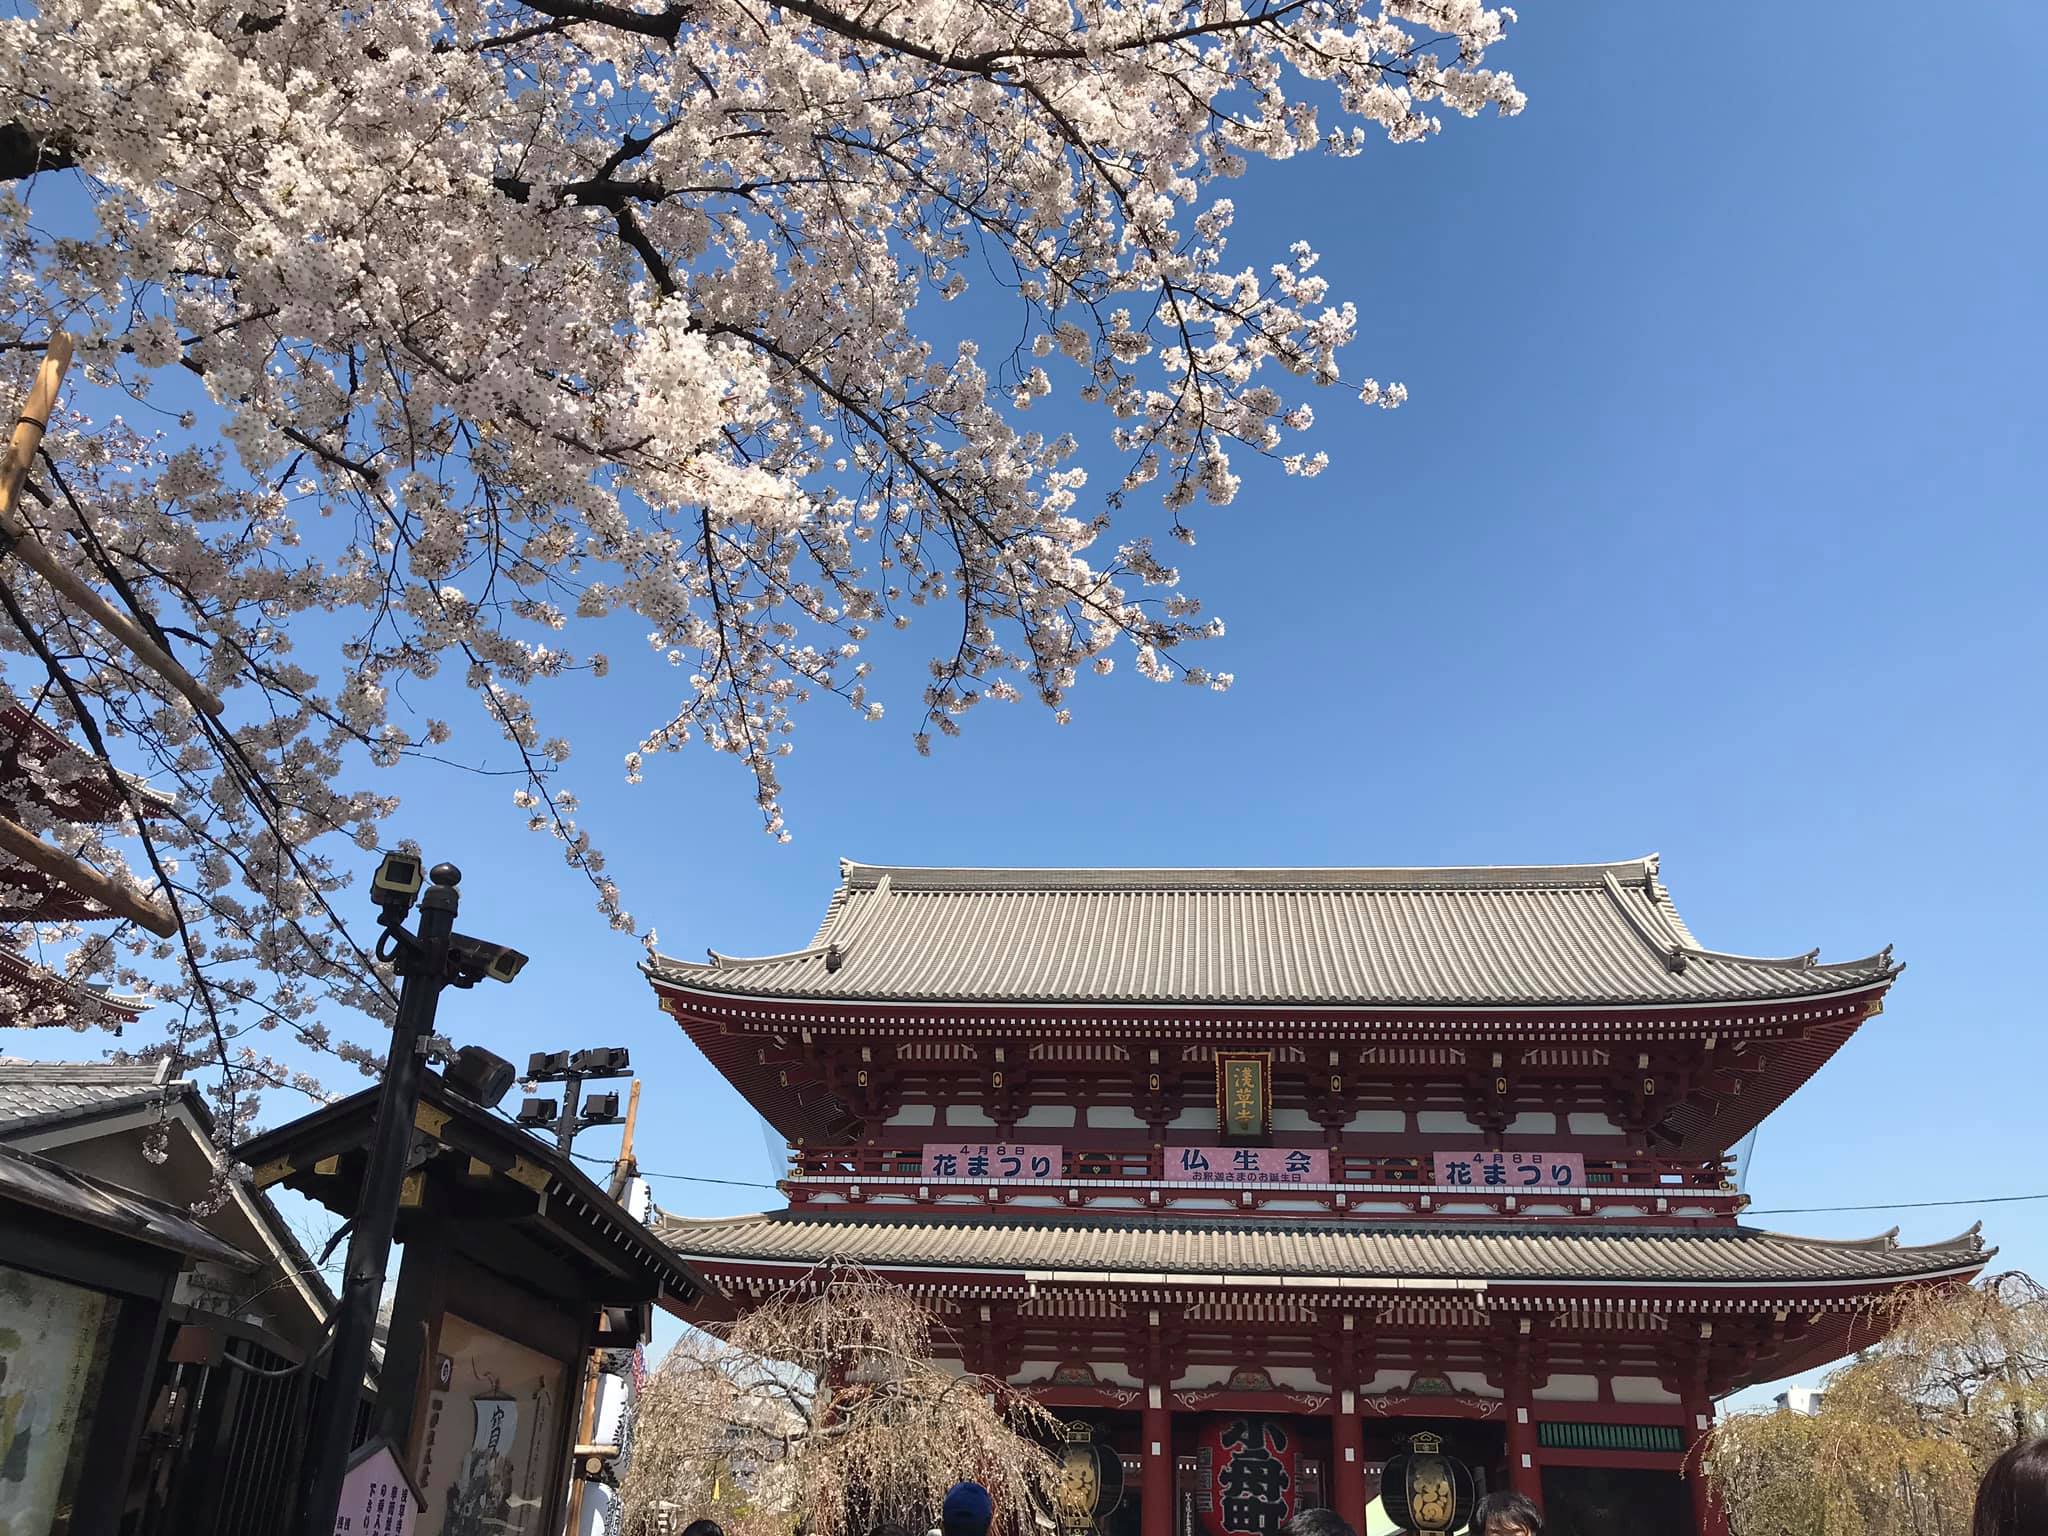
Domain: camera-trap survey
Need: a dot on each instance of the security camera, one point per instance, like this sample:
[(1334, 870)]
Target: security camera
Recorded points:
[(396, 883), (475, 959)]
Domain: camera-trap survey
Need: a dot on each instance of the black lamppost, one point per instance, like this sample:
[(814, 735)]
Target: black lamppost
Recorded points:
[(427, 961)]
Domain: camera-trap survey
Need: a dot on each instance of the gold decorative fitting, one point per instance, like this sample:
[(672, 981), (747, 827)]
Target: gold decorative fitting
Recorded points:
[(995, 1079), (271, 1172), (328, 1166), (1500, 1085), (861, 1077), (1152, 1082), (431, 1120), (1649, 1087)]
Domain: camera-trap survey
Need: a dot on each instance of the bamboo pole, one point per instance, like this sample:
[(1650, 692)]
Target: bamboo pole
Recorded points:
[(622, 1169), (82, 877), (34, 420), (21, 452)]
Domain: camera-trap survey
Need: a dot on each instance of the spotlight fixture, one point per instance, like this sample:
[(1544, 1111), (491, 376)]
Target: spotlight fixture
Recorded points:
[(480, 1075)]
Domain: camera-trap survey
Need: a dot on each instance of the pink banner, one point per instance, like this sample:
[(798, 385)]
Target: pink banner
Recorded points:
[(1509, 1170), (1247, 1165), (991, 1160)]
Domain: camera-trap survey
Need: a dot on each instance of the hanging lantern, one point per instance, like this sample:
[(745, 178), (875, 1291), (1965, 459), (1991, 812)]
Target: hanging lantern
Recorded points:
[(1426, 1491), (1250, 1467), (1091, 1481)]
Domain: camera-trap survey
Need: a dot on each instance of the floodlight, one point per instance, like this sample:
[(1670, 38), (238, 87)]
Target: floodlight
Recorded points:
[(601, 1109), (601, 1061), (480, 1075), (546, 1064), (537, 1111)]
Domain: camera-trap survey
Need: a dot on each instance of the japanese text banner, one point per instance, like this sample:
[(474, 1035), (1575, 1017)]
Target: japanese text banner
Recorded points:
[(1509, 1170), (1247, 1165), (991, 1160)]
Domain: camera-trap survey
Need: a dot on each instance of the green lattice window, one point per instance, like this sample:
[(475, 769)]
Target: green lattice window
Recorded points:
[(1610, 1437)]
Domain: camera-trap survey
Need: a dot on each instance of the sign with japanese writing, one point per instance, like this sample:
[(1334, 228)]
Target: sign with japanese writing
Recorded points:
[(377, 1499), (1247, 1165), (1509, 1170), (1252, 1462), (991, 1160), (1244, 1092)]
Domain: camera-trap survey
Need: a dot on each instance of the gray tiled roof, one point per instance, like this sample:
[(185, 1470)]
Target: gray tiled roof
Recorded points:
[(1585, 934), (39, 1093), (50, 1186), (1169, 1249)]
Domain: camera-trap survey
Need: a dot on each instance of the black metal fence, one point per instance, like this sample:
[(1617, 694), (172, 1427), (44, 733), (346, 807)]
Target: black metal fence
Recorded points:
[(224, 1443)]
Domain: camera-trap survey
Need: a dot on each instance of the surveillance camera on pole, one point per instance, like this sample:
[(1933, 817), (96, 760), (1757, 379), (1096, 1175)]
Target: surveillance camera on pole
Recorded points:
[(427, 961)]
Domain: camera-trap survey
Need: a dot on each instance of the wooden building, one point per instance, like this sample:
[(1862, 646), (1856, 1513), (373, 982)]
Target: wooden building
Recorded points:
[(1325, 1157)]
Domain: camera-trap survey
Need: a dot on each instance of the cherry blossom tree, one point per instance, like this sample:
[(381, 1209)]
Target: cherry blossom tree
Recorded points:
[(831, 1411), (457, 329)]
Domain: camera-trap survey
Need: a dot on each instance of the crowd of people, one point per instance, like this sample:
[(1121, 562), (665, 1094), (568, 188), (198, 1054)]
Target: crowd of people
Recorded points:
[(2013, 1501)]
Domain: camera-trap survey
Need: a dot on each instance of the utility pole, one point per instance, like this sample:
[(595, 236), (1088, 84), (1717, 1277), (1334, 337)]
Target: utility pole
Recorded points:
[(434, 958)]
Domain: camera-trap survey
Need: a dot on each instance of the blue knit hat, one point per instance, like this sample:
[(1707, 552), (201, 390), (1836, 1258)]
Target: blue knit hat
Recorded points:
[(967, 1511)]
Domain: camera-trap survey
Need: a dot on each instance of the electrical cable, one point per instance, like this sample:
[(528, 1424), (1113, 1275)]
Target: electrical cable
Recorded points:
[(688, 1178), (1889, 1205)]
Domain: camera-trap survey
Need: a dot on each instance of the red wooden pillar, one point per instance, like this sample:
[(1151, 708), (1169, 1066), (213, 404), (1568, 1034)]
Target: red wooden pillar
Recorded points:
[(1155, 1433), (1347, 1462), (1525, 1458), (1708, 1518)]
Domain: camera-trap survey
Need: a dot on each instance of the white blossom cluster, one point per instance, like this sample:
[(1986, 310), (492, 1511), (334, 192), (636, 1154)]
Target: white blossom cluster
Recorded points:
[(515, 313)]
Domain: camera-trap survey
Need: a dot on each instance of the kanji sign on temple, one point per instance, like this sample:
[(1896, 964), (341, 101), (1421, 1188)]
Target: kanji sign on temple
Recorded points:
[(1266, 1172)]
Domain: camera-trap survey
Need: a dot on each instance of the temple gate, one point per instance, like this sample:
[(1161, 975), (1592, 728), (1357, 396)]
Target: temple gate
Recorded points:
[(1262, 1172)]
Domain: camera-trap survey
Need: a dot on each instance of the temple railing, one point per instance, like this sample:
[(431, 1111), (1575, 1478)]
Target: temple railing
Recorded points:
[(1125, 1177)]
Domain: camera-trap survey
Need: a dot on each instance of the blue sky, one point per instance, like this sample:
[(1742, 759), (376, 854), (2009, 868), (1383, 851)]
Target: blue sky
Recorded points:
[(1712, 527)]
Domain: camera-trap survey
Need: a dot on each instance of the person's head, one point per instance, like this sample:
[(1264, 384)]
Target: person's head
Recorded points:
[(703, 1528), (967, 1511), (1506, 1514), (2013, 1498), (1317, 1522)]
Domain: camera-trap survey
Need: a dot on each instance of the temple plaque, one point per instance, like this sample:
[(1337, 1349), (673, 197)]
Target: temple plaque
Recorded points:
[(1244, 1093)]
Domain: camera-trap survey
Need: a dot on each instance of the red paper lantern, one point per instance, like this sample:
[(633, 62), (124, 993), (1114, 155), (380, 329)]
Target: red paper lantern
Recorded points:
[(1251, 1463)]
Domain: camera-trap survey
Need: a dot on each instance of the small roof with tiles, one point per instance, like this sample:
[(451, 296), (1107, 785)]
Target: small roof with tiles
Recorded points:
[(38, 1094)]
